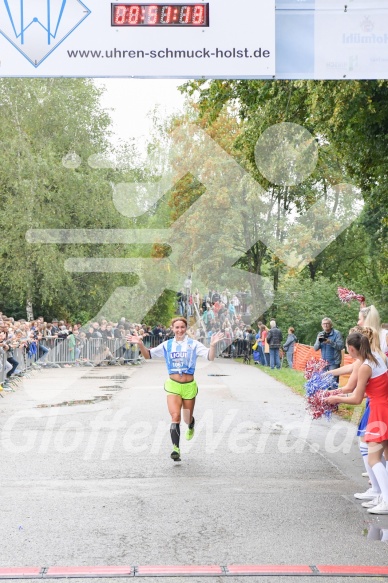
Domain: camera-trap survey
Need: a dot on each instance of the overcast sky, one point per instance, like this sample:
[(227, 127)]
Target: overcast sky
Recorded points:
[(131, 100)]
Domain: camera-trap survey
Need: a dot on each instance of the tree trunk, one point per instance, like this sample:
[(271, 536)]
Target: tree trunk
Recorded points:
[(312, 269), (30, 311), (276, 274)]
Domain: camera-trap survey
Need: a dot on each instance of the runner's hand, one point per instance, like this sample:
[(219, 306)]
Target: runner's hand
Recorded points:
[(216, 338), (133, 339)]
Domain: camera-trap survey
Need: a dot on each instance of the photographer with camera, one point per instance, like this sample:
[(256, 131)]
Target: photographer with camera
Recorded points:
[(330, 343)]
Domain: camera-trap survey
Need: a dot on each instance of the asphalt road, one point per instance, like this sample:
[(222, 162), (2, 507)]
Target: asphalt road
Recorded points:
[(92, 483)]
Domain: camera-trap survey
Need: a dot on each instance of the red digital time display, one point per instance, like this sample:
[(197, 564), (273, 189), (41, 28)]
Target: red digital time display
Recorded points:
[(160, 15)]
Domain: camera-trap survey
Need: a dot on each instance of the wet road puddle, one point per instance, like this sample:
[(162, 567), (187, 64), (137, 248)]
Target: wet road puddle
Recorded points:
[(77, 402), (376, 532), (120, 378)]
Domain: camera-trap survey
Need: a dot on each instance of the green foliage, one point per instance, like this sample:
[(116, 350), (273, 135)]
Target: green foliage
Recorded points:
[(163, 311), (303, 302), (42, 122), (350, 122)]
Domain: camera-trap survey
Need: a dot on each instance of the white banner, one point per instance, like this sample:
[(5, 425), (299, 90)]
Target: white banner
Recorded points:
[(352, 41), (218, 38)]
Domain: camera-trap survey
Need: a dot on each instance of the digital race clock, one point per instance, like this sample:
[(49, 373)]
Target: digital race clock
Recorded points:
[(160, 15)]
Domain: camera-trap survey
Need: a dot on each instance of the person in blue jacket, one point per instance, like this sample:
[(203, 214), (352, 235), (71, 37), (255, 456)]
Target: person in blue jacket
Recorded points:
[(289, 346), (330, 343)]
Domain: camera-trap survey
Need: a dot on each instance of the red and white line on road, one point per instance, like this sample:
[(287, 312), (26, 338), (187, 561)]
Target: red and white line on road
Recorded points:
[(192, 571)]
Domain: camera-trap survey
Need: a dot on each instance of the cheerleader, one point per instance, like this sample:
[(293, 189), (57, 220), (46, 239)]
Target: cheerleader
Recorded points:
[(369, 316), (372, 381), (368, 325)]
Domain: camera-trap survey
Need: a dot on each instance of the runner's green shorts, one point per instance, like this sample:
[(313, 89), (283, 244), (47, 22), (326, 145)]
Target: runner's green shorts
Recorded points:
[(185, 390)]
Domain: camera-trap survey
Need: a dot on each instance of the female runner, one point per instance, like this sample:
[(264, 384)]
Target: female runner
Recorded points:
[(373, 381), (180, 353)]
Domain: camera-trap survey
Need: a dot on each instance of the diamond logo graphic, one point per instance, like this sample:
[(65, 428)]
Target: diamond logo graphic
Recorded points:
[(37, 27)]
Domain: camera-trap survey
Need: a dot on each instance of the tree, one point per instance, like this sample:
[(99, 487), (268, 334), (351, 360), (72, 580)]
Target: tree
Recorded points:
[(349, 120), (49, 129)]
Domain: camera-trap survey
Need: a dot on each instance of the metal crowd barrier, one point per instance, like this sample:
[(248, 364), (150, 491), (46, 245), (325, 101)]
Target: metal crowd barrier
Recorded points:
[(19, 355), (24, 363), (3, 360), (93, 351), (55, 351), (152, 341)]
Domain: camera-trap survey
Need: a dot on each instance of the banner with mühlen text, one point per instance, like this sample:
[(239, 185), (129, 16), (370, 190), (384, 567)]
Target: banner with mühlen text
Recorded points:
[(351, 39)]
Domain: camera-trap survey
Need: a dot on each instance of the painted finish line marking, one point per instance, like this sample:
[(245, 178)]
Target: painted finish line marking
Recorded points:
[(192, 571)]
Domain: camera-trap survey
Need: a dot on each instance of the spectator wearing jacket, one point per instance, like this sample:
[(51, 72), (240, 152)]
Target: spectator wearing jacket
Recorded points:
[(263, 339), (42, 349), (9, 346), (54, 327), (119, 331), (238, 336), (181, 299), (260, 348), (235, 303), (330, 343), (274, 339), (231, 310), (4, 350), (289, 346), (158, 334)]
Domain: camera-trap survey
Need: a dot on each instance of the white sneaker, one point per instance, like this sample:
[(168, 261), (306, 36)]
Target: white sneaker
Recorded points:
[(365, 475), (368, 495), (381, 508), (373, 502)]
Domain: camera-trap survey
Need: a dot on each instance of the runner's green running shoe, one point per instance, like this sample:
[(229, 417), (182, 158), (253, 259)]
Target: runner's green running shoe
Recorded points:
[(176, 454), (190, 433)]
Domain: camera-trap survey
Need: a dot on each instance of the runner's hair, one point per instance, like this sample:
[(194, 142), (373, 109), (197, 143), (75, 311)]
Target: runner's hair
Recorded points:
[(179, 319)]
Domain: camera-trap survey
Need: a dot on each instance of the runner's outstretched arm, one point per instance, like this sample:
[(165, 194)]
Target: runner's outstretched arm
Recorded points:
[(137, 340), (213, 342)]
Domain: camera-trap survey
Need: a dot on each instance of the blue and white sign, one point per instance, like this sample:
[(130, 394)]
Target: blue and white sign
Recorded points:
[(313, 39), (36, 28), (103, 38)]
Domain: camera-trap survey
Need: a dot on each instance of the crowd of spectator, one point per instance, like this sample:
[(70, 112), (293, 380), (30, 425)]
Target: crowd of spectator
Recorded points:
[(34, 340), (191, 303), (229, 313), (207, 314), (38, 337), (22, 335), (216, 311)]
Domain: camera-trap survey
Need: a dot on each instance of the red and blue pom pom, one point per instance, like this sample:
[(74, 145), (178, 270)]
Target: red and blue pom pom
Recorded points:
[(318, 387), (347, 295), (314, 365)]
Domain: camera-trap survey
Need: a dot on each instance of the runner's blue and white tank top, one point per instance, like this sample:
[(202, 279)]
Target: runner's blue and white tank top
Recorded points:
[(181, 357)]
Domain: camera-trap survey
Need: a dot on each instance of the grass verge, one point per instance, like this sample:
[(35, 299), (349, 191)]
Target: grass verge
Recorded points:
[(296, 381)]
